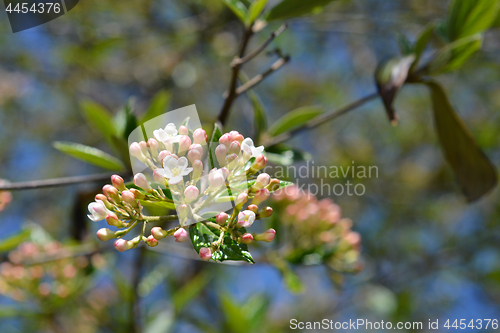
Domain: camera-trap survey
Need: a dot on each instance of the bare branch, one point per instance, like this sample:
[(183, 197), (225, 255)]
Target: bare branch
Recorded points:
[(257, 79)]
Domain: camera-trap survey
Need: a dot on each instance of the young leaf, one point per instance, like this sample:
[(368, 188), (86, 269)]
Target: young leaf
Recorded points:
[(469, 17), (99, 118), (474, 172), (203, 236), (125, 121), (294, 8), (255, 10), (454, 55), (11, 242), (421, 43), (285, 155), (90, 155), (238, 9), (405, 46), (294, 119)]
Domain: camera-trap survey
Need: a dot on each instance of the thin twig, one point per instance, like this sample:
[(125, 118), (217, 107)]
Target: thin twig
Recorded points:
[(321, 119), (35, 184), (241, 61), (257, 79)]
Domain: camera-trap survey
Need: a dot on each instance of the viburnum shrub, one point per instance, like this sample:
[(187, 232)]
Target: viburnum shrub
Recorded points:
[(188, 175)]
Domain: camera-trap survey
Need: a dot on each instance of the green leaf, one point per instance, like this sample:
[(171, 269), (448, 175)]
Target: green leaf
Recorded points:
[(159, 105), (295, 8), (236, 320), (125, 121), (405, 46), (98, 117), (238, 8), (292, 281), (283, 183), (285, 155), (190, 290), (157, 204), (474, 172), (421, 43), (13, 241), (90, 155), (255, 10), (260, 120), (294, 119), (469, 17), (454, 55), (203, 236)]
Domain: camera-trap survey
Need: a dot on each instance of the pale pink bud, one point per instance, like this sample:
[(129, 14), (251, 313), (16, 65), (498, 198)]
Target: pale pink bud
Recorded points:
[(220, 154), (104, 199), (129, 198), (198, 147), (205, 253), (136, 151), (260, 163), (141, 181), (232, 161), (163, 154), (246, 218), (266, 212), (234, 148), (197, 169), (225, 140), (247, 238), (160, 179), (267, 236), (105, 234), (262, 180), (151, 241), (118, 182), (241, 199), (238, 137), (183, 130), (200, 136), (184, 144), (216, 179), (193, 155), (181, 235), (112, 193), (233, 134), (191, 193), (113, 220), (183, 211), (260, 196), (144, 148), (153, 147), (158, 233), (253, 208), (122, 245), (221, 218), (137, 194)]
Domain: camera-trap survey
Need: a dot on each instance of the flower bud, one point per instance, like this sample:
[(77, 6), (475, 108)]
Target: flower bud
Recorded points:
[(220, 154), (97, 210), (141, 181), (267, 236), (113, 220), (225, 140), (123, 245), (274, 185), (260, 196), (151, 241), (253, 208), (163, 154), (118, 182), (200, 136), (184, 144), (158, 233), (112, 193), (153, 147), (247, 238), (216, 179), (183, 211), (191, 193), (137, 194), (129, 198), (262, 181), (246, 218), (144, 148), (197, 147), (183, 130), (234, 148), (266, 212), (205, 253), (136, 151), (160, 179), (197, 169), (238, 137), (260, 163), (221, 218), (181, 235), (105, 234), (193, 155), (241, 199), (104, 199), (232, 161)]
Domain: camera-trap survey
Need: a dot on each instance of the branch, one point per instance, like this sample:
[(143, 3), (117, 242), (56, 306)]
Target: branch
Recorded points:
[(35, 184), (321, 119), (257, 79)]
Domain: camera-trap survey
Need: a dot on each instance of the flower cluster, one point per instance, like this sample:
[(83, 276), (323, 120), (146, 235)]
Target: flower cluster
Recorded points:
[(191, 177), (43, 282), (316, 230)]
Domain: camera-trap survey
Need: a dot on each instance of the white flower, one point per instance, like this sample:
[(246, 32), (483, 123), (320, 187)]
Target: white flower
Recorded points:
[(248, 146), (246, 218), (167, 135), (98, 211), (174, 169)]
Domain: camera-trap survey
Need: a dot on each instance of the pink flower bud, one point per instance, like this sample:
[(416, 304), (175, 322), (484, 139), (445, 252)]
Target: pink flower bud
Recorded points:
[(216, 179), (122, 245), (221, 218), (104, 199), (129, 198), (253, 208), (200, 136), (220, 154), (159, 178), (153, 147), (225, 140), (260, 196), (191, 193), (137, 194), (274, 185), (246, 218), (197, 147), (234, 148), (118, 182), (183, 211), (184, 144), (181, 235), (238, 137), (205, 253), (105, 234), (197, 169), (158, 233), (151, 241), (241, 199), (193, 155), (247, 238), (97, 210), (232, 161), (183, 130), (141, 181), (112, 193), (233, 134), (163, 154), (266, 212), (136, 151), (113, 220), (144, 148), (267, 236), (260, 163), (262, 180)]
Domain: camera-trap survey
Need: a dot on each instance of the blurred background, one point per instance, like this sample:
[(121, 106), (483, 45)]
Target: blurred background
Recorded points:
[(426, 253)]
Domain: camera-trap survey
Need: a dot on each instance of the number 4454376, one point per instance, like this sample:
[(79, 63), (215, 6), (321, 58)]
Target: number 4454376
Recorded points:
[(473, 323), (38, 8)]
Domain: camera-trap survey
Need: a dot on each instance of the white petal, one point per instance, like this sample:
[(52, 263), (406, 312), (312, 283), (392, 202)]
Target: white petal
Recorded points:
[(164, 173), (257, 151), (248, 141), (171, 130), (169, 162), (182, 162), (175, 180), (91, 217), (160, 135), (186, 171)]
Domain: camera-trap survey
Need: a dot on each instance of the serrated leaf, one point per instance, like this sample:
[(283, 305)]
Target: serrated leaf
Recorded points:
[(294, 8), (98, 118), (474, 172), (203, 236), (158, 106), (454, 55), (13, 241), (90, 155), (255, 10), (294, 119), (469, 17), (238, 8)]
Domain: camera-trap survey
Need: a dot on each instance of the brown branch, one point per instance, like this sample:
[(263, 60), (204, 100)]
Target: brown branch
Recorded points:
[(321, 119), (257, 79)]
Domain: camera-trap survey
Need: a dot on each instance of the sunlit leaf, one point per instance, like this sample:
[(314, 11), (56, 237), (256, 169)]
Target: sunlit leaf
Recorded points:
[(90, 155), (255, 10), (11, 242), (454, 55), (294, 119), (295, 8), (469, 17), (238, 8)]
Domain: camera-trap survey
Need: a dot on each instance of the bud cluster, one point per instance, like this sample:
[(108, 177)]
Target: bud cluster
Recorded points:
[(317, 226)]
